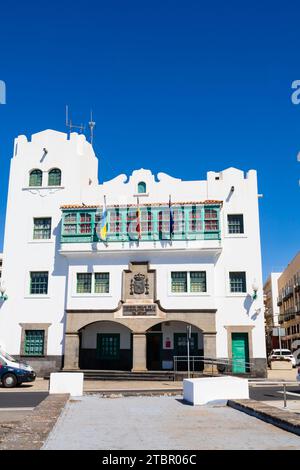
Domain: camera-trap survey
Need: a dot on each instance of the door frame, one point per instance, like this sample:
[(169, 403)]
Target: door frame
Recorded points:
[(246, 367), (239, 329)]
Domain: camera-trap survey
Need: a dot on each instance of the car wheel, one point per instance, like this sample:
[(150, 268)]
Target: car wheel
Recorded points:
[(9, 381)]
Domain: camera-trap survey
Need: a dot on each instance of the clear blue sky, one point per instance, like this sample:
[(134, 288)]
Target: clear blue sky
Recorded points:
[(177, 86)]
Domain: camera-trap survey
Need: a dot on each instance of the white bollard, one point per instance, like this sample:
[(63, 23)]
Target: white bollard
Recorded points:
[(66, 382), (204, 390)]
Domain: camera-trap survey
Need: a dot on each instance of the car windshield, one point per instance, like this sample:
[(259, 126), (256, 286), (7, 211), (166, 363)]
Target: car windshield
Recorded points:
[(283, 353), (7, 356)]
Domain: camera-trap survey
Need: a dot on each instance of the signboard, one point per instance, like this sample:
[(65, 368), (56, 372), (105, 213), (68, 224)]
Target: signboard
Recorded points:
[(139, 310)]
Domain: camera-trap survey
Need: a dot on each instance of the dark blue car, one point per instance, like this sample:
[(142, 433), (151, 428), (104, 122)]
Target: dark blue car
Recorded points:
[(14, 373)]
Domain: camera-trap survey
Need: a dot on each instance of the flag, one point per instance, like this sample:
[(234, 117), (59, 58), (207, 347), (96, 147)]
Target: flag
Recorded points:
[(103, 229), (138, 214), (171, 217)]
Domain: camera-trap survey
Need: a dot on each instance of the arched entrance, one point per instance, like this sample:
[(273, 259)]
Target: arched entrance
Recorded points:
[(168, 339), (105, 345)]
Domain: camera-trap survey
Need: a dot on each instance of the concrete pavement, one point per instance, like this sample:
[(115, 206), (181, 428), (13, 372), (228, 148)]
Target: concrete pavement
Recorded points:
[(161, 423)]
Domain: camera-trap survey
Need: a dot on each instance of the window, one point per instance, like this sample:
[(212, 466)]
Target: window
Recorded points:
[(197, 281), (142, 187), (85, 223), (34, 342), (235, 223), (42, 228), (84, 283), (194, 281), (54, 177), (39, 282), (211, 221), (237, 281), (179, 282), (35, 178), (101, 283), (70, 226)]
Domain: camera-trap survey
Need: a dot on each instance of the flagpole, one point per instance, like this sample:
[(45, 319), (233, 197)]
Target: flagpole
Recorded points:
[(139, 218)]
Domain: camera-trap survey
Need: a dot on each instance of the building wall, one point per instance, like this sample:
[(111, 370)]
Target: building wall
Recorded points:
[(289, 300), (78, 163)]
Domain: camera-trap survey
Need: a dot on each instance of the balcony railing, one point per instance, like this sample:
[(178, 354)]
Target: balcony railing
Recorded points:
[(144, 223), (287, 293), (288, 315)]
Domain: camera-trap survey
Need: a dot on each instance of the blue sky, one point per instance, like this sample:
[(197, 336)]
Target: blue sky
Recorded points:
[(177, 86)]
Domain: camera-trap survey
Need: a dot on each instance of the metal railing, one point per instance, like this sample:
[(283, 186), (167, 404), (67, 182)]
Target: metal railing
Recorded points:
[(197, 365)]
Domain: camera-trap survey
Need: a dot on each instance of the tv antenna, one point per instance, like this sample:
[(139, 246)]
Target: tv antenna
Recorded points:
[(72, 126), (92, 125)]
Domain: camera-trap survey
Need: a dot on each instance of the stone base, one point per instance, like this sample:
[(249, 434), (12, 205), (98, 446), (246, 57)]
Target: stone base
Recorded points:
[(258, 367), (68, 382), (281, 365), (204, 390), (43, 365)]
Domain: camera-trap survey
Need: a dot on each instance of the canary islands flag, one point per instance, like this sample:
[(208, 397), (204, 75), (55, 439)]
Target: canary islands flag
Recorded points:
[(103, 229)]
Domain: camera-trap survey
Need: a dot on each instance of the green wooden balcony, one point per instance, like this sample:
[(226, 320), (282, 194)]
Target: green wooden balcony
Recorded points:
[(190, 222)]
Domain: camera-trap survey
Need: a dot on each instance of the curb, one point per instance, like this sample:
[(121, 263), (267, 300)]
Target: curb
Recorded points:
[(32, 432), (133, 393), (270, 414)]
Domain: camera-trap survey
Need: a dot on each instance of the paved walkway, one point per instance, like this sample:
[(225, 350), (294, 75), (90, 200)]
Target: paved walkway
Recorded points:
[(158, 423)]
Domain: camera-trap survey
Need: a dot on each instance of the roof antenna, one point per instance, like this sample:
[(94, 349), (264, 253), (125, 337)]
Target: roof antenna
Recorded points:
[(70, 125), (92, 125)]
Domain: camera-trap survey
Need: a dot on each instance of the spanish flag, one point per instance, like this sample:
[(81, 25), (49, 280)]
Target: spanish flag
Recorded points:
[(103, 229)]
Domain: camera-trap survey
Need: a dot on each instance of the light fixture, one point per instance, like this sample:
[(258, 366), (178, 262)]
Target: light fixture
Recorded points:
[(3, 296), (255, 289)]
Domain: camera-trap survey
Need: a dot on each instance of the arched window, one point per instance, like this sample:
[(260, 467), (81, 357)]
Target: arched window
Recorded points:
[(35, 178), (141, 187), (54, 177)]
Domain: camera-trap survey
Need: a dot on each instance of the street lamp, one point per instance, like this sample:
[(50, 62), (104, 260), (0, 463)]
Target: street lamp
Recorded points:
[(3, 296), (255, 289)]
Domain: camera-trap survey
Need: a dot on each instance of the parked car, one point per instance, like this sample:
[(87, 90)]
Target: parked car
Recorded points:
[(277, 354), (12, 372)]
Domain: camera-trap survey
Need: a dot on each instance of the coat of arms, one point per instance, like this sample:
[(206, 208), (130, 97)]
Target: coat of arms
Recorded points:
[(139, 284)]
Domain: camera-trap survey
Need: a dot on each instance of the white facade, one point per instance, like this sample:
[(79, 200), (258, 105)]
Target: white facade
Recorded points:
[(74, 156)]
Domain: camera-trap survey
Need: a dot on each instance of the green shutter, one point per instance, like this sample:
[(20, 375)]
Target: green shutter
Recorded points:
[(34, 342)]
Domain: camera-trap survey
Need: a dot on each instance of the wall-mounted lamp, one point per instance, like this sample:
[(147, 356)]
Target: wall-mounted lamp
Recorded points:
[(232, 189), (255, 289), (3, 296)]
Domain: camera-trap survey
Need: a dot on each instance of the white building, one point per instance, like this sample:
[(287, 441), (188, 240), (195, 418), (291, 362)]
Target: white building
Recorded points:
[(76, 301), (1, 260)]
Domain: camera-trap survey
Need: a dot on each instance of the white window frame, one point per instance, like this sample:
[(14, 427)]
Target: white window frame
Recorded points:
[(226, 227), (227, 283), (93, 294), (40, 240), (188, 293), (27, 294)]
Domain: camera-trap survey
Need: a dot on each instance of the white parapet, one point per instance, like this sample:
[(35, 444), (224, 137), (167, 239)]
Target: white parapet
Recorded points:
[(66, 382), (204, 390)]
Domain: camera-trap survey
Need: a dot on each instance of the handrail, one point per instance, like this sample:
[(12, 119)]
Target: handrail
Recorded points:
[(222, 365)]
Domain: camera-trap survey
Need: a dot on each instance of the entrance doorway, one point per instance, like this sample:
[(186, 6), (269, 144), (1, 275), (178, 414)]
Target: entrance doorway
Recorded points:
[(240, 353), (154, 350)]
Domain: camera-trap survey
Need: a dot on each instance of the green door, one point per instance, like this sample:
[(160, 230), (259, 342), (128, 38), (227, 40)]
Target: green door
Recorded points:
[(240, 353), (108, 346)]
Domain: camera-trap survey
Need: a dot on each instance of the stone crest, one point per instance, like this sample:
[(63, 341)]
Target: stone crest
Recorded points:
[(139, 284)]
